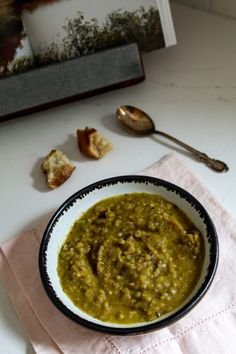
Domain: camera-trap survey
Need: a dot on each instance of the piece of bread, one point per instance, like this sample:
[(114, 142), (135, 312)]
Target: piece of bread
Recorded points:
[(92, 144), (57, 168)]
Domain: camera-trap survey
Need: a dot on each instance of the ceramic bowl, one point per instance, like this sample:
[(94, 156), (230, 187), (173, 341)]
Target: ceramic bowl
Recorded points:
[(72, 208)]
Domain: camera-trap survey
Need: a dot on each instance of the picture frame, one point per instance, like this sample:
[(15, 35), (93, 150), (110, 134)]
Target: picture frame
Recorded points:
[(31, 53)]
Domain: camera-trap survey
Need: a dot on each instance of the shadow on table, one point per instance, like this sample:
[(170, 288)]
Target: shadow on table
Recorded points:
[(44, 219), (69, 148), (38, 177), (111, 123), (172, 147)]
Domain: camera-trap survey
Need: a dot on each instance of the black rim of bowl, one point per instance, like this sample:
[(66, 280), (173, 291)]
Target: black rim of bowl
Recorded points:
[(214, 255)]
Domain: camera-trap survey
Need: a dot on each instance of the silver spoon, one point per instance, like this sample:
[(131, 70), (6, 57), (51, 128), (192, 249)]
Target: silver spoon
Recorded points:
[(140, 123)]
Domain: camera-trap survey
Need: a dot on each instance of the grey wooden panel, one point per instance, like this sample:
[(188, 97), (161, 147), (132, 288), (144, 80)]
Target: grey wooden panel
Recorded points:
[(74, 79)]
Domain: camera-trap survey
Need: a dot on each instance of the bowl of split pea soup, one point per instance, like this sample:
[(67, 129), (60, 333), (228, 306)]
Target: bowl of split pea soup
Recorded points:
[(128, 255)]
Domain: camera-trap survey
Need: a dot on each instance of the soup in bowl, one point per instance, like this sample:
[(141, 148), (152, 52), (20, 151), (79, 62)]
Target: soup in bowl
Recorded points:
[(128, 254)]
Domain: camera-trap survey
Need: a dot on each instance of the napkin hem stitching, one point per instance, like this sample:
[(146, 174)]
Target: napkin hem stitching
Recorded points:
[(112, 345), (35, 234), (188, 329)]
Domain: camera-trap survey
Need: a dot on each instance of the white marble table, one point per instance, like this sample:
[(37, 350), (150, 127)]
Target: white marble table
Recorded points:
[(190, 91)]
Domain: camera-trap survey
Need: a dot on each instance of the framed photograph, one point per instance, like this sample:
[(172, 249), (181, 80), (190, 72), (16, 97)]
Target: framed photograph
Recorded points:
[(40, 32), (57, 51)]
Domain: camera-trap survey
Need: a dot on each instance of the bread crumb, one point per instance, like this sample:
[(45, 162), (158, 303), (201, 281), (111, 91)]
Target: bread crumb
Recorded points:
[(92, 144), (57, 168)]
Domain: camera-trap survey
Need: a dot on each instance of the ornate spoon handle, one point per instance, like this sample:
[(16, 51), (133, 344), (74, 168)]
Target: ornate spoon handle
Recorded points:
[(215, 165)]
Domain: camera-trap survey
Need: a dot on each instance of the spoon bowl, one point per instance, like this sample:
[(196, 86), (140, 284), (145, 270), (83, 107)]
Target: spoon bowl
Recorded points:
[(140, 123), (137, 121)]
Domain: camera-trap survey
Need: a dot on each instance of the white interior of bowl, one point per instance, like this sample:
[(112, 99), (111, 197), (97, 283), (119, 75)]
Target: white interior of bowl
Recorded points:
[(67, 219)]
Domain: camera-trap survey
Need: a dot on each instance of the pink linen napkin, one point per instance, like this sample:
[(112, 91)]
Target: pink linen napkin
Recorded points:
[(209, 328)]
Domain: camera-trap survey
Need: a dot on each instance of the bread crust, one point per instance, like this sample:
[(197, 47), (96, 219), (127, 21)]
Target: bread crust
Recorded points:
[(57, 168), (92, 144)]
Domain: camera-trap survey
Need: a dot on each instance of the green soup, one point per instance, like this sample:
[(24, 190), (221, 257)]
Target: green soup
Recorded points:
[(131, 258)]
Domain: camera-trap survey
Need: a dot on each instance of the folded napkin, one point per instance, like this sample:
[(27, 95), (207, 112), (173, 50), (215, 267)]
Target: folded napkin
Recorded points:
[(209, 328)]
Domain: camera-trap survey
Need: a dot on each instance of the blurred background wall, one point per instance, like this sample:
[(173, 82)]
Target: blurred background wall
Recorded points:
[(221, 7)]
